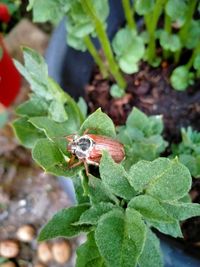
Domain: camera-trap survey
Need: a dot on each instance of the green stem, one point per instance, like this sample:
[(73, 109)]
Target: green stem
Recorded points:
[(105, 43), (177, 55), (190, 12), (194, 53), (92, 49), (129, 14), (168, 29), (184, 30), (151, 20)]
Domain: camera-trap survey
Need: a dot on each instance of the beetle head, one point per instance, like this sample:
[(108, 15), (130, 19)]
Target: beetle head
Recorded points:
[(80, 146)]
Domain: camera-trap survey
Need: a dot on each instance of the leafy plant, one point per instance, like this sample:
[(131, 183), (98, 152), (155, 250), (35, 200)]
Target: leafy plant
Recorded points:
[(88, 19), (142, 137), (188, 150), (117, 208)]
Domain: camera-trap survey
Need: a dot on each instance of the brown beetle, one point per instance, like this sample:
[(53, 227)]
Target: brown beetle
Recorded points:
[(88, 149)]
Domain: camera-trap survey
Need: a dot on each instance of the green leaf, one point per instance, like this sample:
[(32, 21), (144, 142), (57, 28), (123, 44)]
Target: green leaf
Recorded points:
[(57, 111), (182, 211), (170, 42), (61, 225), (50, 158), (115, 177), (99, 123), (172, 229), (137, 119), (78, 187), (151, 255), (88, 253), (35, 72), (27, 134), (92, 215), (116, 91), (150, 208), (82, 106), (120, 237), (162, 178), (34, 107), (181, 78), (143, 7), (98, 192), (177, 10), (192, 37), (196, 63), (129, 49), (51, 128), (49, 10)]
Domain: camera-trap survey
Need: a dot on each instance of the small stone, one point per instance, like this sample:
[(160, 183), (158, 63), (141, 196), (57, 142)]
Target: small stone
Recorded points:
[(39, 265), (44, 252), (9, 248), (26, 233), (61, 251)]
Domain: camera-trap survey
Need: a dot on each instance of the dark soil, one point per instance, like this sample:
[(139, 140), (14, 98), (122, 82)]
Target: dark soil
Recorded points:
[(150, 91)]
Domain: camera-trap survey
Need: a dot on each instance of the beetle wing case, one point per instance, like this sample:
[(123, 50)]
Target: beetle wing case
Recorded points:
[(115, 148)]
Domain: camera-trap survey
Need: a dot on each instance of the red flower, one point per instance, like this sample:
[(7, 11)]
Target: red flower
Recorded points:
[(4, 13)]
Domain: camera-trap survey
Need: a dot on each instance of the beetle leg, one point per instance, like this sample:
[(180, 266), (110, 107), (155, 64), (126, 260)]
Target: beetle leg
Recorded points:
[(71, 160), (75, 164), (86, 167)]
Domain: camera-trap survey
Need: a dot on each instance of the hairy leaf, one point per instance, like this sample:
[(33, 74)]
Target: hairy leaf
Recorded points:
[(88, 254), (121, 237), (26, 132), (115, 178), (162, 178), (151, 255), (150, 208), (50, 158), (99, 123), (61, 225)]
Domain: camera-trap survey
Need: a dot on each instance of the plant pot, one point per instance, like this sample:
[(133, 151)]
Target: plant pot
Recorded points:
[(72, 70)]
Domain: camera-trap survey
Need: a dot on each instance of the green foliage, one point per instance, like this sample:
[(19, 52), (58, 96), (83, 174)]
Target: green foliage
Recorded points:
[(120, 237), (188, 150), (169, 41), (193, 35), (181, 78), (88, 253), (117, 207), (129, 49), (115, 177), (49, 10), (116, 91), (142, 137), (150, 177), (87, 19), (177, 10), (151, 256), (143, 7), (99, 123), (62, 224)]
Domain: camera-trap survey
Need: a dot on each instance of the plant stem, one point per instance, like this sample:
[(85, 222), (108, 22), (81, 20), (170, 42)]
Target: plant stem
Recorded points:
[(151, 20), (92, 49), (168, 29), (129, 14), (105, 43), (194, 53), (184, 30), (190, 12)]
